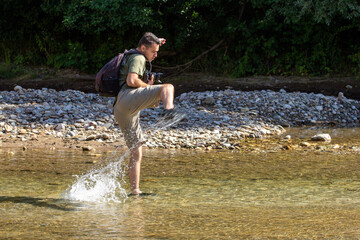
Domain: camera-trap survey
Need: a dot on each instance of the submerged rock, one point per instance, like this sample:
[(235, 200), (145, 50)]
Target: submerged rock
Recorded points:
[(324, 137), (305, 144)]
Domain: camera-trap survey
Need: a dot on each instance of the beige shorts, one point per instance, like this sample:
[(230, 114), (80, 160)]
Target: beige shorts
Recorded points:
[(130, 101)]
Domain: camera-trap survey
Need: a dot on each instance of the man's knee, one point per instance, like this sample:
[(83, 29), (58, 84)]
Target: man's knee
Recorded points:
[(137, 146), (167, 87), (136, 151)]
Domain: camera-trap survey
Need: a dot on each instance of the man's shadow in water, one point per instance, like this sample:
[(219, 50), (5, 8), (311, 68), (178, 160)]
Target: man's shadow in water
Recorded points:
[(53, 203)]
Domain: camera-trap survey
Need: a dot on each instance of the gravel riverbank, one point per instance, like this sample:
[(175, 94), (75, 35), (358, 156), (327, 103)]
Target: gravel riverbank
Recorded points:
[(215, 119)]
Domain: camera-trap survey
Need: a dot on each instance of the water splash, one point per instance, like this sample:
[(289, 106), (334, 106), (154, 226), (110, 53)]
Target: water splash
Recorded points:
[(106, 184), (163, 123)]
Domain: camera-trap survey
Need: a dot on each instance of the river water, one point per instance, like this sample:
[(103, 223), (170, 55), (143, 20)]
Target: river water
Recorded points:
[(190, 195)]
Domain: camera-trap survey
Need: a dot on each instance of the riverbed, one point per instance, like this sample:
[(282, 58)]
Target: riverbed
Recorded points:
[(191, 194)]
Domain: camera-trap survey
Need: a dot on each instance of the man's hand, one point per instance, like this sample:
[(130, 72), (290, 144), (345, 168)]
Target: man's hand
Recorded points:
[(162, 40), (151, 81)]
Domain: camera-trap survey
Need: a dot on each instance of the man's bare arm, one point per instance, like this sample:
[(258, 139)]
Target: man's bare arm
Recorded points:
[(134, 81)]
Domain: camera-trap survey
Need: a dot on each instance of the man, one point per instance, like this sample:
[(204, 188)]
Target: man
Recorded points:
[(136, 95)]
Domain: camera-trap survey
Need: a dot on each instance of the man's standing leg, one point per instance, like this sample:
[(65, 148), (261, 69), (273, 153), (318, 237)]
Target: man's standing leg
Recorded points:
[(130, 126), (134, 168)]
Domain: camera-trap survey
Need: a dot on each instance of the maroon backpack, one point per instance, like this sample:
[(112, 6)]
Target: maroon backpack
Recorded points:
[(107, 82)]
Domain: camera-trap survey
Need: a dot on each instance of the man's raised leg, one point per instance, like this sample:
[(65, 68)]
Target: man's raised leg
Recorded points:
[(167, 95), (170, 113)]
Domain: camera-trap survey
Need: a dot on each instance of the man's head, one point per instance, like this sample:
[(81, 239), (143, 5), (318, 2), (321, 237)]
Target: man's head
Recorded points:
[(149, 45)]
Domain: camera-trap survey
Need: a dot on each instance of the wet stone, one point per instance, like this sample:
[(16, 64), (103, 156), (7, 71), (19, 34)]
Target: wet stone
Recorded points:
[(90, 138), (321, 137), (22, 131), (88, 148), (305, 144), (287, 137)]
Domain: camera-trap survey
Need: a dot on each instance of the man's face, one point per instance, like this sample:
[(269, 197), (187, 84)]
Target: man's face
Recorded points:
[(150, 52)]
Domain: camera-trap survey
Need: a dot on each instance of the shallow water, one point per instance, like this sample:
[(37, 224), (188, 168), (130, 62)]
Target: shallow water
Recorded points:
[(192, 195)]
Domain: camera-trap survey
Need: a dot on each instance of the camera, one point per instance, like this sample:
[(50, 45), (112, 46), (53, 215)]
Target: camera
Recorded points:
[(148, 75)]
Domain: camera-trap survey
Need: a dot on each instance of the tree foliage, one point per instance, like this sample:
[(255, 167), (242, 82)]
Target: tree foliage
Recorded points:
[(324, 11), (297, 37)]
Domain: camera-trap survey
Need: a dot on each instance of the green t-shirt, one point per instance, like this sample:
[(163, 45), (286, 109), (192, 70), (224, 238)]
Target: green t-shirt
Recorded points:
[(133, 63)]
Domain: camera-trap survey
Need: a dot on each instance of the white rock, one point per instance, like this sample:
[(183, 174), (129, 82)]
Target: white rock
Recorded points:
[(321, 137), (59, 134), (103, 136), (8, 128), (288, 137), (18, 88), (68, 107), (244, 109), (59, 127), (91, 137), (71, 134), (340, 96), (209, 100), (319, 108), (304, 144)]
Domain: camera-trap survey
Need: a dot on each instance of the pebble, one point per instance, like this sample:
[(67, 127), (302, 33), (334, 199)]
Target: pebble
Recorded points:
[(287, 137), (87, 148), (336, 146), (91, 137), (7, 128), (59, 127), (324, 137), (22, 131), (305, 144), (214, 119)]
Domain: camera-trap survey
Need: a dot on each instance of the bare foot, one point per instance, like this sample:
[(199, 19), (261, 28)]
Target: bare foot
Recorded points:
[(136, 192)]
